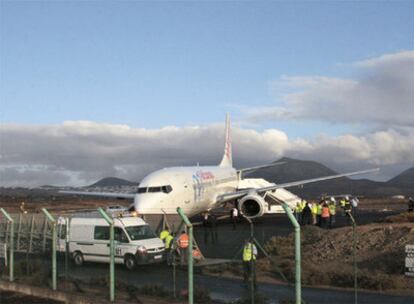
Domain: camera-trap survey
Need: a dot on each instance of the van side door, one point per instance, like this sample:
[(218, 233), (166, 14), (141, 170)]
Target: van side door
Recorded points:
[(100, 249), (121, 243)]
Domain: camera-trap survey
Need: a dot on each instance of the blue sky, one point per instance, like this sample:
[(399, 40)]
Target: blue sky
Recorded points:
[(154, 64), (334, 79)]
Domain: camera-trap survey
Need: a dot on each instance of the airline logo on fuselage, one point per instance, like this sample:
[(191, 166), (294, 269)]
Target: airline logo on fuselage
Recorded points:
[(199, 179), (204, 175)]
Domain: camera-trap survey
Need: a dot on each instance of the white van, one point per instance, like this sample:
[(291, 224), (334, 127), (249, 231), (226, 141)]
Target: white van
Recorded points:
[(135, 242)]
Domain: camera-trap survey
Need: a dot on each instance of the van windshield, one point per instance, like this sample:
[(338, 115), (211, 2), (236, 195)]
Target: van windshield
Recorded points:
[(140, 232)]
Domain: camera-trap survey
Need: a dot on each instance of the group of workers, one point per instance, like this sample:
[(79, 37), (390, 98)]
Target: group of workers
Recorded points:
[(180, 247), (323, 213)]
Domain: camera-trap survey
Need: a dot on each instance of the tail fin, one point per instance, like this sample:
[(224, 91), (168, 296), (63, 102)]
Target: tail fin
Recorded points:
[(227, 157)]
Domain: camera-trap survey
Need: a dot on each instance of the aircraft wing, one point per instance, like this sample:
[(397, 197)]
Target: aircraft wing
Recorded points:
[(238, 194), (245, 170), (101, 194)]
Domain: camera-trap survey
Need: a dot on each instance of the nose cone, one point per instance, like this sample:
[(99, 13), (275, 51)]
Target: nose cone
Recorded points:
[(148, 203)]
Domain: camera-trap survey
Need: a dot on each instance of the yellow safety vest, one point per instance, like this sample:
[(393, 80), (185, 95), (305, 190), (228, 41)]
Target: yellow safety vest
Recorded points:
[(168, 241), (319, 212), (248, 253), (343, 202), (315, 209), (303, 205), (298, 207), (332, 209), (164, 234)]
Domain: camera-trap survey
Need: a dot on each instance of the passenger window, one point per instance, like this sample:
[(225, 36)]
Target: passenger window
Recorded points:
[(120, 235), (101, 233)]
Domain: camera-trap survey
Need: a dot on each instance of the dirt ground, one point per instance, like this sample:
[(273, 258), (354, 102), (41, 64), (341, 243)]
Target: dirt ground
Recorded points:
[(8, 297), (327, 257), (56, 204)]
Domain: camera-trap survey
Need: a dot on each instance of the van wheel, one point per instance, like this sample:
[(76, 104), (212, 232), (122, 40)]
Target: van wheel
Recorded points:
[(130, 262), (78, 258)]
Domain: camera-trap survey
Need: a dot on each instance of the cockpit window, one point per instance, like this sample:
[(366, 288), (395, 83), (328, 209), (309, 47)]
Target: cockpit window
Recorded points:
[(165, 189), (154, 189), (142, 190)]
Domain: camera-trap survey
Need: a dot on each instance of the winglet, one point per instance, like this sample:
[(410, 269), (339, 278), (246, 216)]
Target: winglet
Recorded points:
[(227, 157)]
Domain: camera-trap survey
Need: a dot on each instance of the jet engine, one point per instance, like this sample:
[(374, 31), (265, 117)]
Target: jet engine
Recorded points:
[(252, 205)]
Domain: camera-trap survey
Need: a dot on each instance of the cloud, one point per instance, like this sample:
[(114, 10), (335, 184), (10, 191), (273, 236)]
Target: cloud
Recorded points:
[(381, 95), (81, 152)]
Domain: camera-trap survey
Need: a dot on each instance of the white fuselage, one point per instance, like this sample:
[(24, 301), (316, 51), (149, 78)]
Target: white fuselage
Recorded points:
[(194, 189)]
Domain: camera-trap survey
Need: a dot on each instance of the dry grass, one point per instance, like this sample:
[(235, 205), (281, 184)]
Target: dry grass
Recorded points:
[(327, 256)]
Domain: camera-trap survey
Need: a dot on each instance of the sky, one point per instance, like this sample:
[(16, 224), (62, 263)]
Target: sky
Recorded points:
[(90, 89)]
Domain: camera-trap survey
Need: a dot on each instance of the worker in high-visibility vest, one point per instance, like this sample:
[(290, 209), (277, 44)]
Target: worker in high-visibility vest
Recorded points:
[(314, 212), (332, 213), (249, 258), (168, 247), (163, 234), (319, 213), (325, 216), (183, 243), (342, 203), (348, 209)]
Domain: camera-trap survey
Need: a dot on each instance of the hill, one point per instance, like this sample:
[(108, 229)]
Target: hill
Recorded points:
[(293, 170), (405, 179), (112, 182)]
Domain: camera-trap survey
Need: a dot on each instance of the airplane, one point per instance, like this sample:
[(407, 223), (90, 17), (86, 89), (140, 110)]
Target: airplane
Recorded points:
[(197, 189)]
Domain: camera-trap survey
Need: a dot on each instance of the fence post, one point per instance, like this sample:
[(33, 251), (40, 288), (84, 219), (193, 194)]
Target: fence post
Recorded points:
[(252, 263), (67, 248), (354, 257), (11, 259), (53, 223), (298, 286), (190, 254), (110, 221)]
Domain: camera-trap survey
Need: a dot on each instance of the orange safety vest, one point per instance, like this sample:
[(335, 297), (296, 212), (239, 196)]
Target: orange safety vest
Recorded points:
[(183, 241), (325, 212)]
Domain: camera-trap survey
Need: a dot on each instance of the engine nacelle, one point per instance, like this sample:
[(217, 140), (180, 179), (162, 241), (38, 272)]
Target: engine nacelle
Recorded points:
[(252, 205)]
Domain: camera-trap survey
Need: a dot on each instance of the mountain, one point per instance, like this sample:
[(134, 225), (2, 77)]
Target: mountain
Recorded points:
[(405, 179), (112, 182), (294, 170)]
